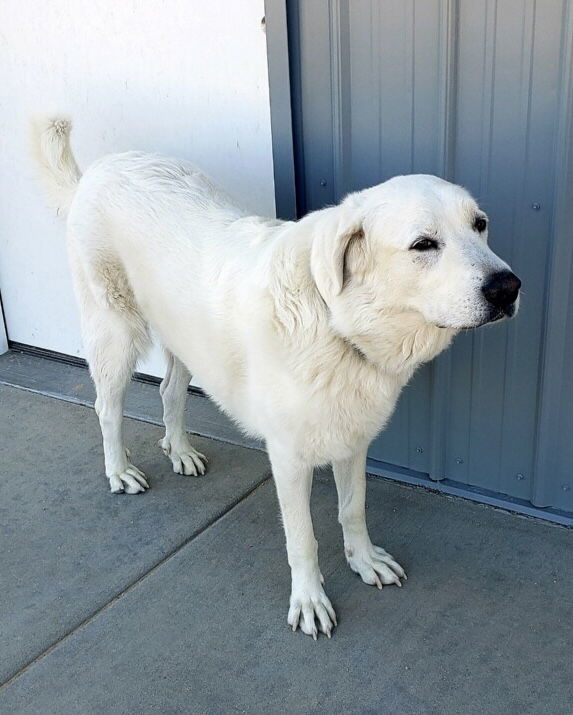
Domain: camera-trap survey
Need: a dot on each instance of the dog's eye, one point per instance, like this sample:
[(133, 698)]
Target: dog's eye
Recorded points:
[(424, 244), (480, 224)]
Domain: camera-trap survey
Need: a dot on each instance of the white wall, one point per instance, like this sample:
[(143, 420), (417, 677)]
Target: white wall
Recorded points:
[(186, 77), (3, 336)]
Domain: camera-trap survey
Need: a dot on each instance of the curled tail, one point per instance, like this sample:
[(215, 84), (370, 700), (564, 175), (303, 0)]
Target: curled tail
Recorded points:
[(58, 170)]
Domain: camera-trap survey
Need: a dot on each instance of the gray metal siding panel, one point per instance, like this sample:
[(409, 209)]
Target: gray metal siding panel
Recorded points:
[(470, 91), (505, 154)]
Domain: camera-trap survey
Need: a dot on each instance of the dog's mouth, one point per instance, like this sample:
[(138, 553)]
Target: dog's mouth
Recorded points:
[(494, 316), (507, 311)]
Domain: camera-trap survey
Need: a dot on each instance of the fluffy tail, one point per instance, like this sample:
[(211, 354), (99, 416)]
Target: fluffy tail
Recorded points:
[(58, 170)]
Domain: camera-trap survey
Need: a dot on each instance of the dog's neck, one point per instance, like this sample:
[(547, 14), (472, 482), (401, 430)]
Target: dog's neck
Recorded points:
[(405, 342)]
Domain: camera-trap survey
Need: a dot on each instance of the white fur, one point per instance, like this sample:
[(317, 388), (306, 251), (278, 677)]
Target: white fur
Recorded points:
[(304, 332)]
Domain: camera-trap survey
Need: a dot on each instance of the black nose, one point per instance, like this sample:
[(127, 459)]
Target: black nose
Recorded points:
[(501, 289)]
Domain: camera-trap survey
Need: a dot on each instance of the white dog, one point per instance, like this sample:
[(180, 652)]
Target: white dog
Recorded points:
[(303, 331)]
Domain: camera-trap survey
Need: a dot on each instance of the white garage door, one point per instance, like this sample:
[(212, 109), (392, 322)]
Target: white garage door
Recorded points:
[(188, 79)]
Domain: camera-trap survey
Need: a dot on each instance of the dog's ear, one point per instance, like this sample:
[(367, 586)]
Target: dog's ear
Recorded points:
[(332, 239)]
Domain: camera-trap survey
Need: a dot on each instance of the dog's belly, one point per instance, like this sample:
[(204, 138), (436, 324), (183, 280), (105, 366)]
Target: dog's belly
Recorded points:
[(238, 368), (262, 396), (214, 351)]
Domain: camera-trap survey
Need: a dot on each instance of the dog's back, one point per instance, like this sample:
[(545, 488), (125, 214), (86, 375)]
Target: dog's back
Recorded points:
[(153, 242)]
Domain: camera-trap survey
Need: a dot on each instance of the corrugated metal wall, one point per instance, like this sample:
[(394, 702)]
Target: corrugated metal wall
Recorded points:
[(477, 92)]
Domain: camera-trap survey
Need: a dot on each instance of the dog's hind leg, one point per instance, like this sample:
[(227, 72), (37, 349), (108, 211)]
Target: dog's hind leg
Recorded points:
[(114, 336), (185, 459), (112, 355)]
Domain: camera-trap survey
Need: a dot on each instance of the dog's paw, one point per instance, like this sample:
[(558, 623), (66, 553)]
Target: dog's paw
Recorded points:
[(130, 481), (185, 459), (309, 606), (375, 566)]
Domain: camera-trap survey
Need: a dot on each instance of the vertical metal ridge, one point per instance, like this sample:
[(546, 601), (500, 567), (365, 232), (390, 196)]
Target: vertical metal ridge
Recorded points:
[(487, 115), (338, 13), (560, 266), (295, 71), (476, 389), (489, 54), (448, 40), (525, 91), (441, 370), (280, 108), (379, 71), (335, 91), (411, 50)]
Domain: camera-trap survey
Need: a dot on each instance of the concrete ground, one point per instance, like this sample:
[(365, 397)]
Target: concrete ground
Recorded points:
[(175, 601)]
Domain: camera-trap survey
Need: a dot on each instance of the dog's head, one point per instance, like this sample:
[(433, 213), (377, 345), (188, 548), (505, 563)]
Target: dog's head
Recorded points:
[(414, 245)]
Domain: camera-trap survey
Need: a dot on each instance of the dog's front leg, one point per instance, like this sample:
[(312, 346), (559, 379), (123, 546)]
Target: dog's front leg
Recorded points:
[(308, 601), (374, 565)]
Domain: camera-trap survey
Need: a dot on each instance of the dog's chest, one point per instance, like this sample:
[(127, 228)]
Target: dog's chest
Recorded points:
[(337, 421)]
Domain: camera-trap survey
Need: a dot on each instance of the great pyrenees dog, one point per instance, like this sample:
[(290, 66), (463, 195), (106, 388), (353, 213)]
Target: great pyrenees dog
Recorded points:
[(304, 331)]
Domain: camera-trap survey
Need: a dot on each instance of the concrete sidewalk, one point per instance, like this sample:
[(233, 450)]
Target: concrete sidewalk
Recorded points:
[(175, 601)]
